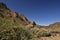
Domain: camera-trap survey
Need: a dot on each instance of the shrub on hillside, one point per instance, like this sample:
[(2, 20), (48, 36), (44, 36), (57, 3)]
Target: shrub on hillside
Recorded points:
[(13, 31)]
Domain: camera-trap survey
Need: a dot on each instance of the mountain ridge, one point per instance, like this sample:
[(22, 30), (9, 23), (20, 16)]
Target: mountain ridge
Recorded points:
[(14, 26), (7, 13)]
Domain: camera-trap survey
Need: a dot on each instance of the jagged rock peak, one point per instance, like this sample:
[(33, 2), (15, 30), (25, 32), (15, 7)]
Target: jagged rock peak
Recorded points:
[(22, 15), (33, 23), (14, 14), (3, 5), (23, 18)]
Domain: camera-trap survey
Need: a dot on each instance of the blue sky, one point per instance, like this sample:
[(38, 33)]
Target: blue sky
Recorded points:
[(43, 12)]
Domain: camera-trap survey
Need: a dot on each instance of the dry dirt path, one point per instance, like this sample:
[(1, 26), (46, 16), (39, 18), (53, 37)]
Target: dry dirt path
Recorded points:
[(50, 38)]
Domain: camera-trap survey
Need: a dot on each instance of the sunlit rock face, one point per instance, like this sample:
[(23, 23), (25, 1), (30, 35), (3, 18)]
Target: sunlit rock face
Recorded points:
[(23, 18), (7, 13)]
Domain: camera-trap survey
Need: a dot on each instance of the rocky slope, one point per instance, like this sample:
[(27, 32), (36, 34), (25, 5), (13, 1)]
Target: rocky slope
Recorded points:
[(10, 20), (7, 13)]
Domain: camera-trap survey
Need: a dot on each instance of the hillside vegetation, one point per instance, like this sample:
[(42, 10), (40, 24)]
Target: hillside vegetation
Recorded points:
[(14, 26)]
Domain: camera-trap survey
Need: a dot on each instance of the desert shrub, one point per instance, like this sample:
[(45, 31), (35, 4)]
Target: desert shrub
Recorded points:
[(13, 31), (40, 32), (44, 34), (56, 30)]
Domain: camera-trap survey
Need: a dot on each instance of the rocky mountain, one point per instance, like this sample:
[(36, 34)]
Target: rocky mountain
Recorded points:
[(15, 26), (7, 13), (2, 5), (23, 18), (56, 24)]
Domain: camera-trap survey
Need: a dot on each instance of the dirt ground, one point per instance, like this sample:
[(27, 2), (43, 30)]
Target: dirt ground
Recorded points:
[(50, 38)]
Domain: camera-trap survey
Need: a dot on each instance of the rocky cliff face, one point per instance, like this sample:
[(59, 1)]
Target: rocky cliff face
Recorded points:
[(23, 18), (7, 13), (2, 5)]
